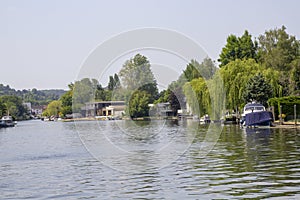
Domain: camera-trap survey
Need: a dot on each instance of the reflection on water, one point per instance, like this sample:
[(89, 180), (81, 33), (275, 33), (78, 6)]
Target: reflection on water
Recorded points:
[(40, 160)]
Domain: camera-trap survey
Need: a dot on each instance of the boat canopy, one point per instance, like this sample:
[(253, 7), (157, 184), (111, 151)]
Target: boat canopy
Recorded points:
[(254, 106)]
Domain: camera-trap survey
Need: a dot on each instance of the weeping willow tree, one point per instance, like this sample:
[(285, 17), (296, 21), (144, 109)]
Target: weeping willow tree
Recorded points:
[(217, 96), (273, 77), (206, 96), (225, 90), (197, 95), (237, 74)]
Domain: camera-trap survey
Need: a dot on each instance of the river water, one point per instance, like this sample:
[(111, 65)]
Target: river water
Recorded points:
[(67, 160)]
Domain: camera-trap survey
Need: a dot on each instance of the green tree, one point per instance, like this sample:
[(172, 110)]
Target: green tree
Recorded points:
[(111, 83), (258, 89), (84, 92), (230, 51), (217, 96), (236, 75), (198, 97), (277, 49), (192, 70), (136, 74), (2, 109), (138, 104), (13, 106), (117, 83), (163, 96), (53, 108), (196, 70), (294, 86), (207, 68), (67, 101), (248, 47), (114, 82), (238, 48), (101, 94)]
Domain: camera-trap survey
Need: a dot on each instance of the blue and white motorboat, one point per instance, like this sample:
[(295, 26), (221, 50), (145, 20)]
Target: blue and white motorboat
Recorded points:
[(255, 114)]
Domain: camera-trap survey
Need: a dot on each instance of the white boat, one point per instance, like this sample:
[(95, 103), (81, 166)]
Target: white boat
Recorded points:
[(205, 119), (255, 114), (7, 121)]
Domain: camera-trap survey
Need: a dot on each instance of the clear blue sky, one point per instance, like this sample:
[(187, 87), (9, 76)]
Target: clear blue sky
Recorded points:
[(43, 43)]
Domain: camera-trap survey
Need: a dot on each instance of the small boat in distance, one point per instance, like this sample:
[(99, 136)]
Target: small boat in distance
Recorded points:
[(7, 121), (255, 114)]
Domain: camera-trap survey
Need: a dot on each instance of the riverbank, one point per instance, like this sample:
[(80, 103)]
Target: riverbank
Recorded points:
[(276, 124), (286, 125), (104, 118)]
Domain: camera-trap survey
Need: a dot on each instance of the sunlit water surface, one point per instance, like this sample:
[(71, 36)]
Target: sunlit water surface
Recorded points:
[(47, 160)]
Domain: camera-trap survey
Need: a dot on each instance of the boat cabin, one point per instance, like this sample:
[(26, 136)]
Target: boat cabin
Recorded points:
[(253, 107)]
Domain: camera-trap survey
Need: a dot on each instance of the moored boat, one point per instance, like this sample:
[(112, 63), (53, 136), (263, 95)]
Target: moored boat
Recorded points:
[(255, 114), (7, 121)]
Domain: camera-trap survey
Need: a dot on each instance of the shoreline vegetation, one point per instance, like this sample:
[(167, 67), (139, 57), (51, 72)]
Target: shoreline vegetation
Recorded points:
[(265, 69)]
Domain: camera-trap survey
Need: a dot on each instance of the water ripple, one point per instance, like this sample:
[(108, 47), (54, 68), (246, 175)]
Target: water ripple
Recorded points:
[(48, 161)]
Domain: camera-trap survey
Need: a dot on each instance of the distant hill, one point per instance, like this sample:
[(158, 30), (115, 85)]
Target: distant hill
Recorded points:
[(34, 96)]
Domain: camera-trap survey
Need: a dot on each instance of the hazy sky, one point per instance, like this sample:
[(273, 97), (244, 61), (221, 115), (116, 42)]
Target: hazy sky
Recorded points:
[(44, 43)]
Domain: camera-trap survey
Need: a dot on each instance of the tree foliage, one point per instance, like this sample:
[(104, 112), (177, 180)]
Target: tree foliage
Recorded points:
[(53, 109), (186, 87), (294, 81), (67, 101), (2, 109), (34, 96), (136, 74), (86, 90), (192, 71), (196, 70), (236, 75), (207, 68), (197, 95), (138, 104), (287, 104), (139, 87), (277, 49), (238, 48), (257, 89), (13, 106), (114, 82)]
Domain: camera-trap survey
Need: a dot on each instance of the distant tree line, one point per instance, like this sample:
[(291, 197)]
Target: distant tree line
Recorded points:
[(249, 70), (11, 100), (135, 84), (34, 96)]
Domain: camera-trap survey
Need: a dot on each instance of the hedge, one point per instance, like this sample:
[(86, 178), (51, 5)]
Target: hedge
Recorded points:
[(287, 104)]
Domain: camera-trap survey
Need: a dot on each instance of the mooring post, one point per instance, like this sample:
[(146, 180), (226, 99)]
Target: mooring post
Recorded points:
[(280, 115), (273, 113), (295, 114)]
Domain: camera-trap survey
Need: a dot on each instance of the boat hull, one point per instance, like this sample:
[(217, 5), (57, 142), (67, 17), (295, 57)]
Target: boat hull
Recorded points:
[(6, 125), (263, 118)]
